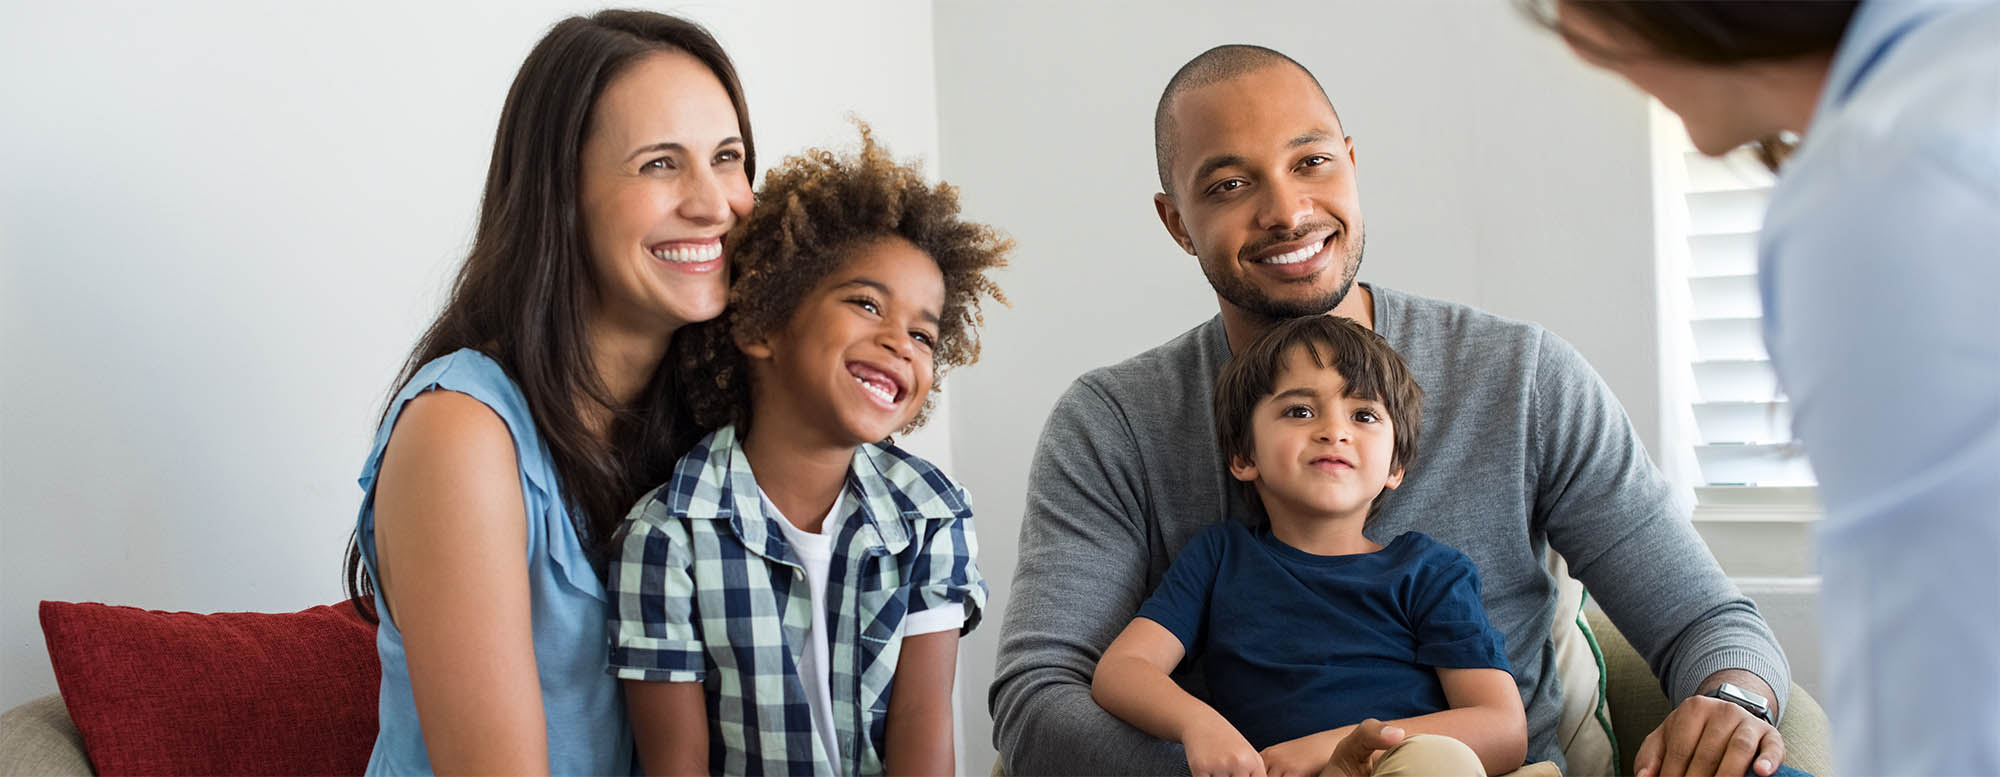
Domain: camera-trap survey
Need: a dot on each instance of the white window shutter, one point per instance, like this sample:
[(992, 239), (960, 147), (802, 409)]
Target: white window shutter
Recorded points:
[(1743, 425)]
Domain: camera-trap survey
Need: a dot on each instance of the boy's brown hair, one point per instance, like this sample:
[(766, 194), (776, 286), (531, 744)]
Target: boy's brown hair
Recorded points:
[(1373, 371), (813, 212)]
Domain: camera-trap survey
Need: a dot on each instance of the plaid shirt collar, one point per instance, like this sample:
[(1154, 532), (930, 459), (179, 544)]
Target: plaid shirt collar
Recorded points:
[(720, 486)]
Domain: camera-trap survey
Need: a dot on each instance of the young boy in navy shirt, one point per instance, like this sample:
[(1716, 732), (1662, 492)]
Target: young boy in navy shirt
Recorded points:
[(1304, 629)]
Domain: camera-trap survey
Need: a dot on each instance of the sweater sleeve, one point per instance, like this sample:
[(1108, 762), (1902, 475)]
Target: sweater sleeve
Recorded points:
[(1608, 511), (1081, 577)]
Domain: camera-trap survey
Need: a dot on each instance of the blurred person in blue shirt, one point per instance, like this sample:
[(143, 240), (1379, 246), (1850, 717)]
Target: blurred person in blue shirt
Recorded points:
[(1878, 262)]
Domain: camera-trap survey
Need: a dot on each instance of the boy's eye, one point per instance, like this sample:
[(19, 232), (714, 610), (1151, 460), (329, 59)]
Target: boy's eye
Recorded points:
[(867, 304), (924, 337), (1366, 416), (1298, 411)]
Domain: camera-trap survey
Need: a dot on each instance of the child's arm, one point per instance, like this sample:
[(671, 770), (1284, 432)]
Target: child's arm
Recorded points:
[(918, 729), (1485, 714), (1132, 683), (656, 640), (674, 719)]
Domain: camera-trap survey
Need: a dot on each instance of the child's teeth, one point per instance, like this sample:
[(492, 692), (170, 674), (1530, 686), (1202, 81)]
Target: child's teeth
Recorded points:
[(877, 390)]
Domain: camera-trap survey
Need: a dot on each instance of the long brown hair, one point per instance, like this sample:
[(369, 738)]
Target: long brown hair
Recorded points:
[(1714, 33), (523, 293)]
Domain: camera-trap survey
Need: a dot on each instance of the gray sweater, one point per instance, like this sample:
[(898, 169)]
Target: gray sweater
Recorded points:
[(1523, 447)]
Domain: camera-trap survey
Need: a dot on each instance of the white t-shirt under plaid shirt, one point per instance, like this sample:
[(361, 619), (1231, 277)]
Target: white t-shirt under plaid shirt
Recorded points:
[(706, 588)]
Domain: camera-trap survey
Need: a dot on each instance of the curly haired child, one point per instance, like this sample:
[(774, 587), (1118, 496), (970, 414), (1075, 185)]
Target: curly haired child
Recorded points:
[(798, 566)]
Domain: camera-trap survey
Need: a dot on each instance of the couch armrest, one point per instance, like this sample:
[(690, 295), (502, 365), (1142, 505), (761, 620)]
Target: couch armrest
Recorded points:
[(1638, 705), (37, 738)]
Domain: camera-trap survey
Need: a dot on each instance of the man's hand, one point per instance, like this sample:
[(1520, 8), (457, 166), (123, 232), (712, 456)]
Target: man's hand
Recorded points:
[(1356, 753), (1707, 737), (1221, 751)]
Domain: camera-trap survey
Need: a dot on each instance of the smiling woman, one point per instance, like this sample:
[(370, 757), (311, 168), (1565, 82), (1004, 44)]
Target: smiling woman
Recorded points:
[(535, 408)]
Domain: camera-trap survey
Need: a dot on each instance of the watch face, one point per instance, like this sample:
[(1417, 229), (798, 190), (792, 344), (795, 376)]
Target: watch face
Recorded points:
[(1746, 699), (1737, 693)]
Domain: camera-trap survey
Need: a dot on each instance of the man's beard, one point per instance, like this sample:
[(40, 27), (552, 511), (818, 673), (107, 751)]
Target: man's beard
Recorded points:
[(1245, 295)]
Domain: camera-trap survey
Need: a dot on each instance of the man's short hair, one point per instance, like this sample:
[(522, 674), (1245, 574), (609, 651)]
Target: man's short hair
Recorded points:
[(1214, 65), (1373, 371)]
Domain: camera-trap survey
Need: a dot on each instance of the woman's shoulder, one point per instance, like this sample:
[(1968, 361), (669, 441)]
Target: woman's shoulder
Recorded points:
[(461, 402), (470, 372)]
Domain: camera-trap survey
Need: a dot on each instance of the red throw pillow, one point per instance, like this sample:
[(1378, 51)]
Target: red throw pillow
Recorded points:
[(229, 693)]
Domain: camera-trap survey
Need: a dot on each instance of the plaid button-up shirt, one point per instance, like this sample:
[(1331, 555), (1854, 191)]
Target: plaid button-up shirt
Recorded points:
[(706, 589)]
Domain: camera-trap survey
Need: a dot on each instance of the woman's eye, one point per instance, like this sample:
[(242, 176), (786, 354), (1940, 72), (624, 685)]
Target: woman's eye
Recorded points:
[(663, 163), (731, 155)]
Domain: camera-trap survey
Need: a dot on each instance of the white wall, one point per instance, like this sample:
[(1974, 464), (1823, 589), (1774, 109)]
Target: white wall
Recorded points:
[(223, 225), (1494, 170)]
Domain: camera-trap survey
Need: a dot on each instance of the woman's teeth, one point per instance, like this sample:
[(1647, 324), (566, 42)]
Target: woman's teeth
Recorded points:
[(705, 252), (1296, 256)]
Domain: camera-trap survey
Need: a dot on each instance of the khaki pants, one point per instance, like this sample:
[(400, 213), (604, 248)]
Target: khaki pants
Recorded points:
[(1434, 755)]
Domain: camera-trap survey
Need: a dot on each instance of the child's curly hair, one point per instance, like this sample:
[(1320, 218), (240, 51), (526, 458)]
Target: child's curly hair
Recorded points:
[(813, 210)]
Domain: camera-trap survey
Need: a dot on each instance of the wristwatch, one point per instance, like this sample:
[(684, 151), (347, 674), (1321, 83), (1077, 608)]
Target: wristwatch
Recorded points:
[(1749, 700)]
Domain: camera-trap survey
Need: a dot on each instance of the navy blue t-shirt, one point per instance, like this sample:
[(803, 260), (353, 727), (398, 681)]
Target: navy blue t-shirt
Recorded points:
[(1293, 643)]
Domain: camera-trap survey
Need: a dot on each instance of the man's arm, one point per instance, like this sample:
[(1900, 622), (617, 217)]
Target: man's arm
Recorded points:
[(1082, 575), (1610, 514)]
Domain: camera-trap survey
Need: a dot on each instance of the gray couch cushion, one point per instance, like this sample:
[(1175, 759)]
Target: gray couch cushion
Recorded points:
[(37, 738)]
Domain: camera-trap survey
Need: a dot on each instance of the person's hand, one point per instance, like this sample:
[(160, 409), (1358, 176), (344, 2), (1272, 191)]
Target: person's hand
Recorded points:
[(1356, 753), (1302, 757), (1221, 751), (1707, 737)]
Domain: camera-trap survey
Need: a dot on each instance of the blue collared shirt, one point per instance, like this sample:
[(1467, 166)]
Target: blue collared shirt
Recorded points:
[(706, 589), (1880, 273)]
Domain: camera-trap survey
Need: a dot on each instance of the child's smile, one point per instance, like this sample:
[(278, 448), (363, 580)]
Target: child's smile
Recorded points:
[(880, 384)]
